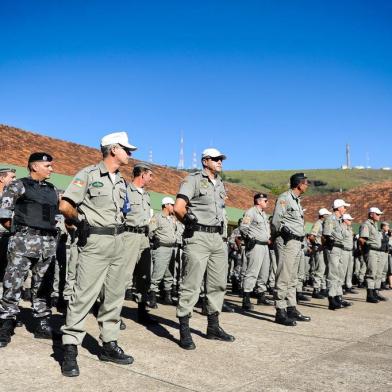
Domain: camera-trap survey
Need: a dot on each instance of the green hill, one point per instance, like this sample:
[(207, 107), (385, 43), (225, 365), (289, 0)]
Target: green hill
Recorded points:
[(322, 181)]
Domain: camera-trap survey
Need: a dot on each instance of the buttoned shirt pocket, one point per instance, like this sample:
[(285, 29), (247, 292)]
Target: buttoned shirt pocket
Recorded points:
[(99, 196)]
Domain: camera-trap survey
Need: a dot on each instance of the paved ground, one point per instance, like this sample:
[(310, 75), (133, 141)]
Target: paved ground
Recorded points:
[(345, 350)]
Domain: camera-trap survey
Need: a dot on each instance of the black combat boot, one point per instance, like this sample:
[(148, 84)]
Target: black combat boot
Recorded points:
[(383, 286), (7, 327), (43, 329), (371, 297), (54, 302), (342, 302), (317, 294), (111, 352), (282, 318), (324, 293), (204, 310), (295, 314), (263, 300), (333, 304), (302, 297), (361, 285), (214, 331), (227, 308), (167, 298), (152, 300), (186, 341), (246, 303), (350, 290), (379, 296), (143, 316), (69, 367)]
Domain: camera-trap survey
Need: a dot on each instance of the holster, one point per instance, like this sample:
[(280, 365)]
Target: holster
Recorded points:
[(83, 232)]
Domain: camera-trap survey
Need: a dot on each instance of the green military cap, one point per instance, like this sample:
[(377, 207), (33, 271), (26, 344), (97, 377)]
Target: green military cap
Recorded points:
[(6, 170), (40, 157)]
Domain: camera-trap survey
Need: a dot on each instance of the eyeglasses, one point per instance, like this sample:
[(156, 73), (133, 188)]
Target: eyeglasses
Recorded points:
[(216, 159), (127, 150)]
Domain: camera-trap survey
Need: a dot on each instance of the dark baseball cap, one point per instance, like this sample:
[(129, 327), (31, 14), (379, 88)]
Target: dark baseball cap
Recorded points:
[(296, 179), (40, 157)]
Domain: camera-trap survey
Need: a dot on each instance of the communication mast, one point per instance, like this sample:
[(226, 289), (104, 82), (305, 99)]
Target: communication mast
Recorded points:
[(348, 158), (181, 163)]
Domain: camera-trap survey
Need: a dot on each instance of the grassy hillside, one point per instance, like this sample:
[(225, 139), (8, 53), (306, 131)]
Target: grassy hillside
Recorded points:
[(322, 181)]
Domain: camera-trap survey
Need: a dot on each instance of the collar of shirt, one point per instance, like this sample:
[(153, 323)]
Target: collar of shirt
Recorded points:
[(136, 189), (104, 170), (205, 174), (294, 196)]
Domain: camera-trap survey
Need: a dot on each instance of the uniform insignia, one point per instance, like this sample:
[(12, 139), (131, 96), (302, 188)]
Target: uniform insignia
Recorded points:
[(44, 158), (78, 182), (246, 220), (204, 183), (97, 184)]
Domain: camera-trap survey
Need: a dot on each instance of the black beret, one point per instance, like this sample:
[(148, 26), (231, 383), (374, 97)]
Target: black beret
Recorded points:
[(260, 196), (40, 157), (296, 179)]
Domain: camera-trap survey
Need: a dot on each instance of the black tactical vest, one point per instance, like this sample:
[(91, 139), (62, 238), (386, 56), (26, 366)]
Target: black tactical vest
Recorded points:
[(38, 206)]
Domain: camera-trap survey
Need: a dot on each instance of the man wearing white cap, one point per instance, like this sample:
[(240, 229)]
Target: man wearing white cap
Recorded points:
[(333, 234), (93, 202), (315, 237), (163, 229), (370, 239), (348, 253), (199, 205)]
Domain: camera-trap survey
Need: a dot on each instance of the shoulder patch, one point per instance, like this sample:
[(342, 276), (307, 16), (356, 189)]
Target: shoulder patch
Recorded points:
[(78, 182), (246, 220)]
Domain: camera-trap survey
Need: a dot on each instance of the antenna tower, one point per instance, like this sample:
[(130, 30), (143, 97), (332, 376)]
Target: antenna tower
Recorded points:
[(181, 164)]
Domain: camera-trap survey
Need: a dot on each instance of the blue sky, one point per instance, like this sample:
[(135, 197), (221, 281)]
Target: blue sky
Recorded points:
[(273, 84)]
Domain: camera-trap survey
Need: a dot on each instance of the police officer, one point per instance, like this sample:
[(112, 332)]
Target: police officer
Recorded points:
[(348, 253), (162, 230), (32, 204), (370, 239), (288, 224), (316, 238), (137, 240), (255, 229), (199, 205), (93, 202), (386, 247), (333, 232), (235, 255), (7, 175)]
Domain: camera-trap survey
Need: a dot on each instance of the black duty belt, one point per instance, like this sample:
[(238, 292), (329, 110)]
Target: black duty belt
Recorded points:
[(107, 230), (338, 246), (377, 249), (137, 229), (35, 231), (261, 242), (167, 245), (207, 229)]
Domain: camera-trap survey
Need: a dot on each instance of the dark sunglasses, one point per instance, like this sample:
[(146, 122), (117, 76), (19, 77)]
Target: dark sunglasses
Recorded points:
[(216, 159)]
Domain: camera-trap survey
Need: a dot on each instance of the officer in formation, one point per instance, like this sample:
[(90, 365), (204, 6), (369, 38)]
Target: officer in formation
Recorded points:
[(236, 251), (370, 239), (319, 265), (93, 203), (386, 247), (30, 204), (199, 205), (289, 226), (348, 254), (7, 175), (136, 239), (163, 227), (255, 230)]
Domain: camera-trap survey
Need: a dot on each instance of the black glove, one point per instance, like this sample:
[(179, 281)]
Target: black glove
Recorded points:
[(189, 220)]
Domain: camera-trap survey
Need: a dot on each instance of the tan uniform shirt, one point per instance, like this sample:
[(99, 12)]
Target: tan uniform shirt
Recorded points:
[(206, 200), (348, 241), (333, 227), (288, 212), (140, 204), (97, 198), (370, 231), (317, 231), (164, 227), (255, 225)]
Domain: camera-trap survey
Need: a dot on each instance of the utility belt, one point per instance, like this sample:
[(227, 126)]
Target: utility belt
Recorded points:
[(376, 249), (207, 229), (289, 236), (115, 230), (257, 242), (173, 245), (137, 229), (35, 231)]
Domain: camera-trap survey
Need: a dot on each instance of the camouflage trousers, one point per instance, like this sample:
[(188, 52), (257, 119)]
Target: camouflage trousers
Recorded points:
[(26, 249)]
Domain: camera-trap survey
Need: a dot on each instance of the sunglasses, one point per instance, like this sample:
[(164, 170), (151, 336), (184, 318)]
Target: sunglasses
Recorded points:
[(216, 159)]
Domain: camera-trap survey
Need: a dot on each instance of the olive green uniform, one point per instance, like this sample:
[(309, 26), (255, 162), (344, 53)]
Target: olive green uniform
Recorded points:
[(163, 228), (255, 226), (204, 251), (137, 241), (333, 228), (347, 255), (101, 262), (374, 256), (287, 213)]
